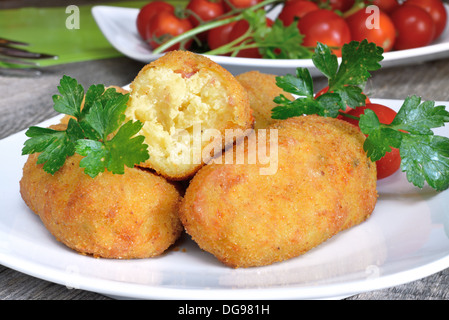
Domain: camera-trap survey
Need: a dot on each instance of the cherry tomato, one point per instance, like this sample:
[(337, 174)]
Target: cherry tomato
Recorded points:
[(164, 26), (386, 6), (296, 8), (391, 162), (240, 4), (237, 31), (414, 27), (374, 26), (147, 12), (436, 10), (219, 36), (324, 26), (206, 10), (340, 5)]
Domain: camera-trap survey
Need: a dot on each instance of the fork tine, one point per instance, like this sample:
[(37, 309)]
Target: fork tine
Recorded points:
[(21, 53), (4, 41), (20, 72), (17, 61)]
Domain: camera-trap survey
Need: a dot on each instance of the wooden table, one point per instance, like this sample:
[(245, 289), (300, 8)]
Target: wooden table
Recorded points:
[(27, 101)]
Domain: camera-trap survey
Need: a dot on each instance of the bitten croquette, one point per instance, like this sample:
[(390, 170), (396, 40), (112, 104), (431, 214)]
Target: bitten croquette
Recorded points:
[(177, 92)]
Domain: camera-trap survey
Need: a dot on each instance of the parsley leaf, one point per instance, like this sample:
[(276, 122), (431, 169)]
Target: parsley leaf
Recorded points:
[(345, 81), (282, 42), (424, 156), (72, 94), (97, 133), (358, 58), (301, 85), (273, 42), (115, 153)]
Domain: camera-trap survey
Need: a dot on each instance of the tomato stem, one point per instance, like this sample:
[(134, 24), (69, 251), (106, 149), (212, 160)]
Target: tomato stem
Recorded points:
[(348, 115), (358, 4)]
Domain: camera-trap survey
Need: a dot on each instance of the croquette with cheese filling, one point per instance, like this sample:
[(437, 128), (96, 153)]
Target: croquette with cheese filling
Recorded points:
[(177, 94)]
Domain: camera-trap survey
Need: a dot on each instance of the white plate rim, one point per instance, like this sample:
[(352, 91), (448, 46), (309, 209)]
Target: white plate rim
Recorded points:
[(145, 291)]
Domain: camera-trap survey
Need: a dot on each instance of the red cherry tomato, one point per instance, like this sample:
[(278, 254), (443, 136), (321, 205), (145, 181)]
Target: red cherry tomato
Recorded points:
[(324, 26), (340, 5), (386, 6), (147, 12), (296, 9), (237, 31), (414, 26), (436, 10), (391, 162), (219, 36), (164, 26), (240, 4), (206, 10), (375, 26)]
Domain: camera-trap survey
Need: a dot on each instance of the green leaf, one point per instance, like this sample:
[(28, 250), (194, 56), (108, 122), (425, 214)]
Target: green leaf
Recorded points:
[(54, 146), (295, 108), (426, 158), (358, 58), (351, 96), (70, 100), (282, 42), (330, 104), (380, 138), (325, 61), (88, 135), (96, 157), (301, 84), (94, 93), (419, 118), (126, 148)]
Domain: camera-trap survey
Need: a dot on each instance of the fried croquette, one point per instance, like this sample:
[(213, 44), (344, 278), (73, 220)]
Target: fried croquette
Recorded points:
[(133, 215), (177, 94), (262, 90), (324, 184)]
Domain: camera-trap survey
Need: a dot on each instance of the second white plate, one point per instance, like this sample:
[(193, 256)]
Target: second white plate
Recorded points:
[(119, 27)]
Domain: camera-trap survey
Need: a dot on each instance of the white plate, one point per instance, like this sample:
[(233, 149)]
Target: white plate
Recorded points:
[(119, 27), (405, 239)]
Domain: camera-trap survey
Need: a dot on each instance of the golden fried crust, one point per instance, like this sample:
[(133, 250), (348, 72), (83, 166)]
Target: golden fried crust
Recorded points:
[(324, 184), (262, 90), (134, 215), (176, 92)]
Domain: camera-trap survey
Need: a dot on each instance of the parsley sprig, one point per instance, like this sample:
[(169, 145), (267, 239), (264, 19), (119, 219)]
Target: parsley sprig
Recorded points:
[(95, 131), (424, 155)]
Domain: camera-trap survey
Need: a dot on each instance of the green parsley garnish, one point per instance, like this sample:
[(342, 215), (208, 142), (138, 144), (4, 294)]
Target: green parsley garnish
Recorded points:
[(89, 132), (424, 156)]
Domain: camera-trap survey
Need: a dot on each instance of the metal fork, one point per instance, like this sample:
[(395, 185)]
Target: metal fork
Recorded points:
[(16, 61)]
